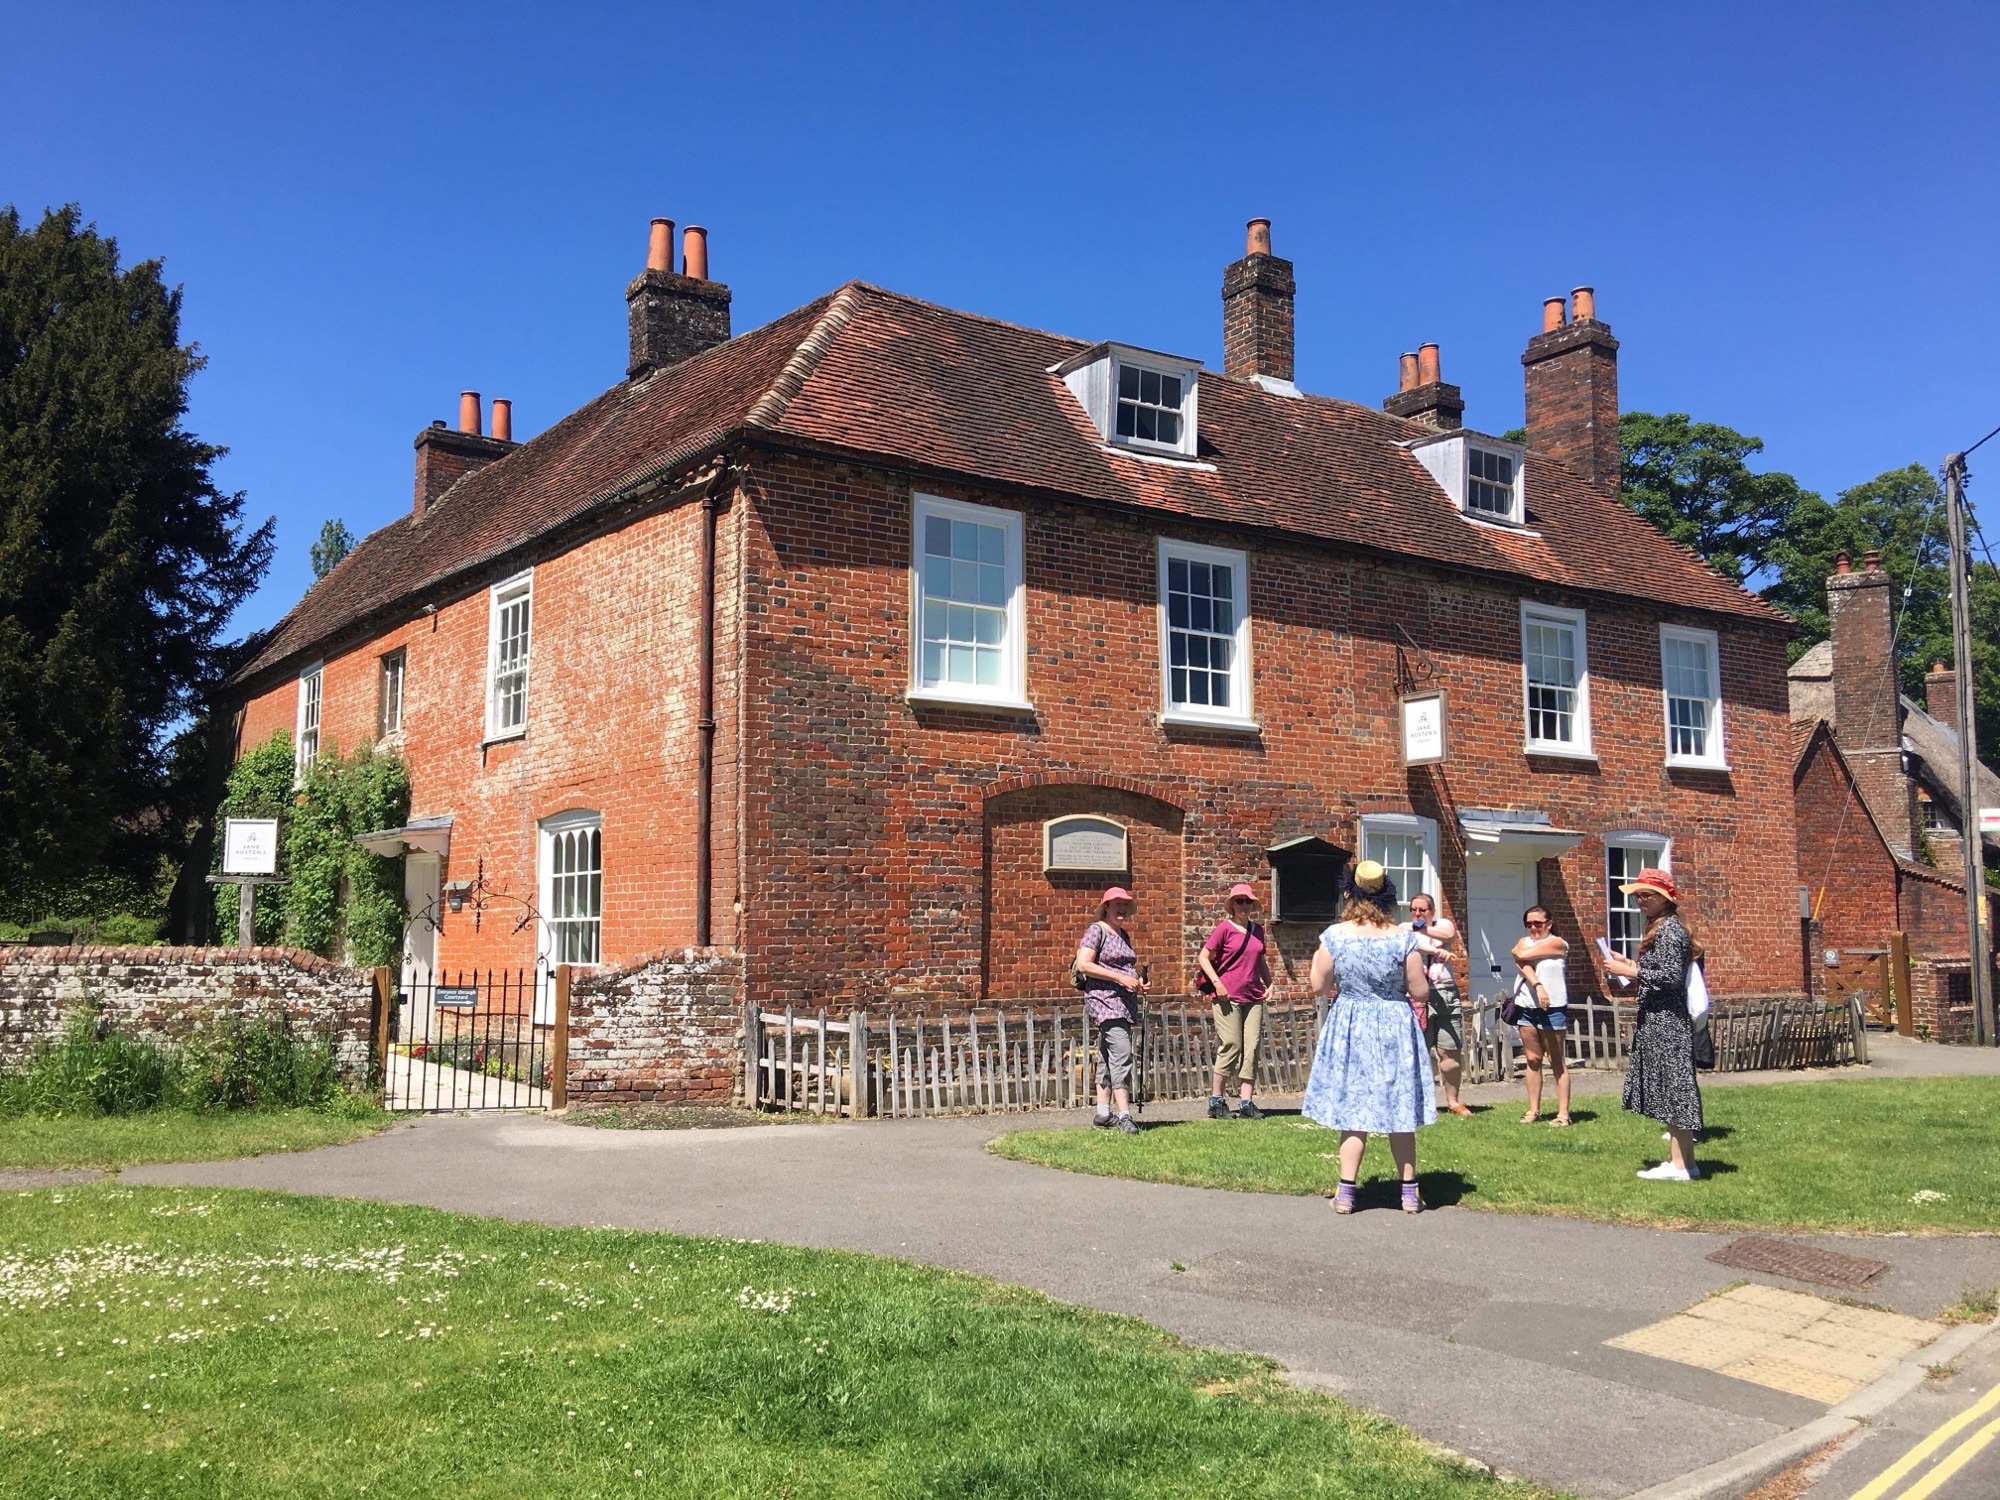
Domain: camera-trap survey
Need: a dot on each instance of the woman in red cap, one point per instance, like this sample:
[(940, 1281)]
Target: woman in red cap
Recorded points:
[(1112, 985), (1661, 1080), (1238, 973)]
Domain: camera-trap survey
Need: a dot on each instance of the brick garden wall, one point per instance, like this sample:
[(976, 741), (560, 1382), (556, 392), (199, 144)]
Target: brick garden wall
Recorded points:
[(164, 992), (667, 1030)]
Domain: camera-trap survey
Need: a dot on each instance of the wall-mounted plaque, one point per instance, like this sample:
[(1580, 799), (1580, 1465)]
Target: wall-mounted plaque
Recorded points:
[(1424, 741), (455, 996), (1084, 843), (250, 846)]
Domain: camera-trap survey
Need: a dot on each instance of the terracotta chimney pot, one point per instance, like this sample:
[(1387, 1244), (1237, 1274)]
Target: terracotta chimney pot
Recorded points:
[(1258, 240), (1843, 564), (503, 419), (1427, 364), (1406, 375), (1552, 314), (694, 252), (660, 247), (1583, 305), (1872, 560), (468, 411)]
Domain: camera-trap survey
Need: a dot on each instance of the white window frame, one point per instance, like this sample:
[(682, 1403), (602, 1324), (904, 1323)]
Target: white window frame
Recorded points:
[(1011, 691), (1578, 747), (520, 587), (1407, 825), (1447, 458), (401, 657), (1093, 377), (1715, 758), (311, 715), (549, 832), (1660, 855), (1240, 716)]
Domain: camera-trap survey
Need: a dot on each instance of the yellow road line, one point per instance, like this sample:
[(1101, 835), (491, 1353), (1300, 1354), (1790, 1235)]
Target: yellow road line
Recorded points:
[(1890, 1477), (1960, 1456)]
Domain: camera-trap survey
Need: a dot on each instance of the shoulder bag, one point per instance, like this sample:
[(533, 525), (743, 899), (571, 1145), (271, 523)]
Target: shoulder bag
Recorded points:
[(1203, 985), (1077, 978)]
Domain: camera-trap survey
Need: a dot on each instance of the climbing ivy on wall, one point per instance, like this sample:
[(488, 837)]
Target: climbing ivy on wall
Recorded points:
[(342, 901)]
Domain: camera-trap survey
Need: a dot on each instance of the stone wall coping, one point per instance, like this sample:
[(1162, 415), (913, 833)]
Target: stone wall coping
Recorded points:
[(689, 955), (26, 954)]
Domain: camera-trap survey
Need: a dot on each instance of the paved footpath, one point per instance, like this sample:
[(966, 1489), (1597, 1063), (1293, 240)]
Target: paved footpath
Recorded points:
[(1485, 1332)]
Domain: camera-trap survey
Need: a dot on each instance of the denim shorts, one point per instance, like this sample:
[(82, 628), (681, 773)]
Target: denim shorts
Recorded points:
[(1544, 1020)]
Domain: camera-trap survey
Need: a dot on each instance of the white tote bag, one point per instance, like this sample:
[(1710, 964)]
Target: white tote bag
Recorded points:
[(1697, 994)]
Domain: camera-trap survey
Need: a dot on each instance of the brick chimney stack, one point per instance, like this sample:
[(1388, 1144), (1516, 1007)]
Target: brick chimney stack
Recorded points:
[(672, 317), (1257, 296), (444, 457), (1941, 695), (1572, 386), (1867, 710), (1422, 396)]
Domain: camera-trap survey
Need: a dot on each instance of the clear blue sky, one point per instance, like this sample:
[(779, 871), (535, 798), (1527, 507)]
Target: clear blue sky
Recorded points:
[(1789, 212)]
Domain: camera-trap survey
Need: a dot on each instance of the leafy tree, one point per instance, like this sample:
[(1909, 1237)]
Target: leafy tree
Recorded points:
[(1691, 479), (335, 542), (1901, 514), (120, 563)]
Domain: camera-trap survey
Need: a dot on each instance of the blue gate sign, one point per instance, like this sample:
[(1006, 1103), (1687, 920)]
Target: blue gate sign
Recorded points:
[(456, 996)]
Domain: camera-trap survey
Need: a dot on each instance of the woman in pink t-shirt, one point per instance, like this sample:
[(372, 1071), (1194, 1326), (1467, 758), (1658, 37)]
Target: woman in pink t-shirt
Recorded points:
[(1238, 974)]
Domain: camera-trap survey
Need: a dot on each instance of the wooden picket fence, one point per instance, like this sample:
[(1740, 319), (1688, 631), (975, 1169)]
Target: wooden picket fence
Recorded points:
[(1026, 1055)]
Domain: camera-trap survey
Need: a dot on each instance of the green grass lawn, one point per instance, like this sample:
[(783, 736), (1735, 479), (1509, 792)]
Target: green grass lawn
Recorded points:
[(174, 1135), (1921, 1155), (217, 1343)]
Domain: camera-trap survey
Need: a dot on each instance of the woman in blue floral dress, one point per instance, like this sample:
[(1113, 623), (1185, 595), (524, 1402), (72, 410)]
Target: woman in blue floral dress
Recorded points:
[(1372, 1072)]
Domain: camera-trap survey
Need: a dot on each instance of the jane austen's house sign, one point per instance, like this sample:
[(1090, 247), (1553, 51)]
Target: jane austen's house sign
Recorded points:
[(1083, 843)]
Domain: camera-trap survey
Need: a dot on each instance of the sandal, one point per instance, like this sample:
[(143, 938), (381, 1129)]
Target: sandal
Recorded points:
[(1559, 1122), (1458, 1109), (1412, 1204), (1530, 1119), (1343, 1198)]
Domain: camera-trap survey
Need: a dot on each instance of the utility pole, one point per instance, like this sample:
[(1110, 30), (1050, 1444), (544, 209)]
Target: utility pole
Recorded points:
[(1971, 840)]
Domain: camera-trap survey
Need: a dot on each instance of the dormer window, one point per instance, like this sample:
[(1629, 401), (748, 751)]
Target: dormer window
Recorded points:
[(1149, 406), (1482, 475), (1137, 399)]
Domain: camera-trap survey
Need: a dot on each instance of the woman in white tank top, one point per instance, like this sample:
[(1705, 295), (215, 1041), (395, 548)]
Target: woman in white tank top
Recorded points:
[(1542, 993)]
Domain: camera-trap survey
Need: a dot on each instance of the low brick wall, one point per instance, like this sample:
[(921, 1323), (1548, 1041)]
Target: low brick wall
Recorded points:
[(667, 1030), (1941, 1000), (164, 992)]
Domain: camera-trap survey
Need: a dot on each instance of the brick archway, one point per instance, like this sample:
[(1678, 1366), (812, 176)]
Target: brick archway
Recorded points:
[(1034, 917)]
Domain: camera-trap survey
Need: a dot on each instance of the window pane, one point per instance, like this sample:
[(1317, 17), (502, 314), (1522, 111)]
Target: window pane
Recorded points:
[(1128, 382), (1170, 390), (937, 536), (1170, 427), (1149, 387), (1128, 420)]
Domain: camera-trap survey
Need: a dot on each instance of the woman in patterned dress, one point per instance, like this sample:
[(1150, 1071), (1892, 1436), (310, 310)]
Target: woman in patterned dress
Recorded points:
[(1371, 1073), (1661, 1080)]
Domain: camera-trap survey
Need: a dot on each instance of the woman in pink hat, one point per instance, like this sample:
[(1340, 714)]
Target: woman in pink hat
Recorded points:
[(1661, 1080), (1236, 974), (1109, 970)]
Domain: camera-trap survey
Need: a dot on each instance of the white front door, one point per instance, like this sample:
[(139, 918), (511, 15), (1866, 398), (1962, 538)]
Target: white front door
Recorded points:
[(422, 874), (1497, 891)]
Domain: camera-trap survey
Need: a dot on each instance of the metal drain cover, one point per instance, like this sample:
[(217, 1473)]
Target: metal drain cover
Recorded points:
[(1799, 1262)]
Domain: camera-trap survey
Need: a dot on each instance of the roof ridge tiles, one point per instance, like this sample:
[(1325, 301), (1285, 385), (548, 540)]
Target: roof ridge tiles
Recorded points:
[(769, 408)]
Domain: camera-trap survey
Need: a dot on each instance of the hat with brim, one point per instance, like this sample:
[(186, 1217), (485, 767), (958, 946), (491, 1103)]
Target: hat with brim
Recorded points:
[(1372, 883), (1657, 881), (1116, 893), (1242, 891)]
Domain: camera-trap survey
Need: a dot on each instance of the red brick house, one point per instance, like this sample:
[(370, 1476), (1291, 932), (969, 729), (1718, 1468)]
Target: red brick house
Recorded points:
[(1879, 821), (874, 642)]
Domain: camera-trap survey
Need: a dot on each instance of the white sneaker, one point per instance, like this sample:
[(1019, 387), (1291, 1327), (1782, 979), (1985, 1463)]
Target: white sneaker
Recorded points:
[(1666, 1171)]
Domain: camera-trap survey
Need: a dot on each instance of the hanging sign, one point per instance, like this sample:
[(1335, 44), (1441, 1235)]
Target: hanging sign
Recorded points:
[(1084, 843), (1424, 738), (1989, 820), (250, 846)]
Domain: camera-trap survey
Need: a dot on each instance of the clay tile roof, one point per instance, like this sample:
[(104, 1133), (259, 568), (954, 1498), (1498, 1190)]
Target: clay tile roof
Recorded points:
[(916, 385), (1802, 733)]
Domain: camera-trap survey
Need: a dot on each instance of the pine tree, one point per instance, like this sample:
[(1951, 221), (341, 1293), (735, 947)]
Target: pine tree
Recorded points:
[(120, 563)]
